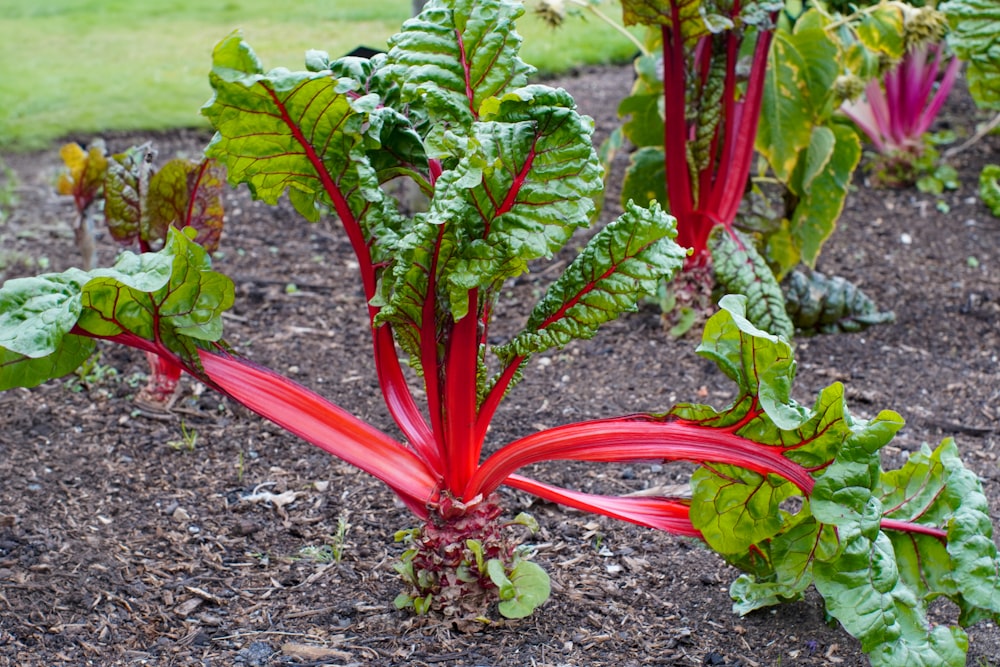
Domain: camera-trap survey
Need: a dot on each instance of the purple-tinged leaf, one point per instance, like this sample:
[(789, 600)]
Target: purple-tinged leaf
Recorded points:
[(125, 190), (184, 193)]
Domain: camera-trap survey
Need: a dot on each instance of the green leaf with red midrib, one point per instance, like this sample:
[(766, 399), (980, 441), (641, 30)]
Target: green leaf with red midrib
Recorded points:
[(451, 59), (624, 261), (304, 133)]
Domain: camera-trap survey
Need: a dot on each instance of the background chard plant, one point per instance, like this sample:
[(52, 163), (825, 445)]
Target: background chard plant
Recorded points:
[(140, 203), (793, 495), (718, 82)]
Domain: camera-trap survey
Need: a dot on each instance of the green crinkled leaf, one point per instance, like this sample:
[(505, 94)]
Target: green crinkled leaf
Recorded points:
[(739, 269), (36, 313), (880, 594), (302, 132), (761, 369), (879, 546), (818, 304), (975, 39), (863, 590), (623, 262), (708, 110), (975, 565), (934, 489), (414, 275), (454, 57), (528, 175)]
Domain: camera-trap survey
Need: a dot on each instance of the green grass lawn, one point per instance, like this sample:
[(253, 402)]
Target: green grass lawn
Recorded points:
[(90, 66)]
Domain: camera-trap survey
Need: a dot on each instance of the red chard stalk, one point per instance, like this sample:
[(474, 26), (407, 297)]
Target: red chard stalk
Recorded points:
[(710, 74), (511, 173)]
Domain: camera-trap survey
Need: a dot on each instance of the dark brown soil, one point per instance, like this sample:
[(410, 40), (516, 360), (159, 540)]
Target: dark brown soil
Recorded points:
[(119, 545)]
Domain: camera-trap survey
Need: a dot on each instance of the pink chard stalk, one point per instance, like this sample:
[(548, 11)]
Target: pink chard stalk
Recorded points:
[(897, 111), (510, 173)]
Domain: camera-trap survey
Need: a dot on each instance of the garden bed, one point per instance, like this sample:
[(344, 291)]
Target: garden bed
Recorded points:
[(123, 543)]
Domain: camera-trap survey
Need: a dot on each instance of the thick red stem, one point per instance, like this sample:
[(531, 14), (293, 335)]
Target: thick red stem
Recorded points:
[(635, 438), (461, 365), (662, 513), (396, 392)]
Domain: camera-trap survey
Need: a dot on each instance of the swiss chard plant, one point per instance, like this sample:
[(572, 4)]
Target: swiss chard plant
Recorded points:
[(140, 203), (717, 81), (794, 495), (692, 117)]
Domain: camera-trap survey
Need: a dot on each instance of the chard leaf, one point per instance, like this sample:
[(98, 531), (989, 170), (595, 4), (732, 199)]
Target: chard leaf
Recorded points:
[(623, 262), (300, 132), (526, 180), (36, 313), (645, 178), (693, 16), (162, 302), (801, 69), (974, 38), (413, 280), (739, 269), (18, 370), (84, 175), (36, 316), (453, 58), (830, 159), (739, 507), (188, 306), (125, 190), (643, 108), (760, 363), (820, 304), (872, 542), (184, 193), (863, 590), (782, 569), (882, 31)]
